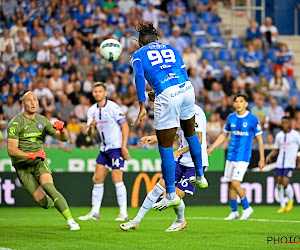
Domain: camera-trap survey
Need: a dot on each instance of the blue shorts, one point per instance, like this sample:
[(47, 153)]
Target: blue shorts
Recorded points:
[(284, 172), (111, 158), (182, 175)]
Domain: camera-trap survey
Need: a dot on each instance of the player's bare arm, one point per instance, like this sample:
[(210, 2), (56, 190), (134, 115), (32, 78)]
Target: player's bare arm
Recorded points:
[(61, 132), (261, 150), (91, 128), (14, 151), (186, 148), (125, 132), (151, 139), (141, 115), (222, 137), (273, 153)]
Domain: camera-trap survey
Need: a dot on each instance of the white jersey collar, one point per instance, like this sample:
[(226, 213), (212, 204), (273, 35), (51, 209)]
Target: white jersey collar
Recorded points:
[(242, 116)]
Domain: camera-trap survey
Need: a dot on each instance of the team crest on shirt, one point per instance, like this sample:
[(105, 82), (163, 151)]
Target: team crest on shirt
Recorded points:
[(245, 124), (105, 114), (40, 125)]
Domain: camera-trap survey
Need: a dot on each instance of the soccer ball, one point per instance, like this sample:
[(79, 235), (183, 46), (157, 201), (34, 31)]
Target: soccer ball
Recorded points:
[(110, 50)]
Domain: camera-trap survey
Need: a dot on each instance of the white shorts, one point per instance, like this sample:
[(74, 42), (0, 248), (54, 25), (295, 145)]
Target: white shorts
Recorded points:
[(174, 104), (235, 170)]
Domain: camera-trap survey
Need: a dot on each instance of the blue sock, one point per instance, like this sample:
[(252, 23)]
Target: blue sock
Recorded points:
[(168, 167), (234, 205), (245, 203), (195, 150)]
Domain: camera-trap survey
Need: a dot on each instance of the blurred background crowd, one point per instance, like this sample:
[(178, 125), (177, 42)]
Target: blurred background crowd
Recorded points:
[(51, 47)]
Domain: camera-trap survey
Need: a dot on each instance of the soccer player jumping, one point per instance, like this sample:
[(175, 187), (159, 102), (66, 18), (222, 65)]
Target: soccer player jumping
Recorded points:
[(26, 132), (287, 143), (162, 66), (242, 126)]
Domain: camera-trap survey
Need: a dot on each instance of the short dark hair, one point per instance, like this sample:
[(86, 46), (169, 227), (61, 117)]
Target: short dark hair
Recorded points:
[(147, 33), (241, 95), (286, 118)]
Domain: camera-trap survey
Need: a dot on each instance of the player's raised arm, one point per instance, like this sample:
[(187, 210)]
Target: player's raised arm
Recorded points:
[(61, 132)]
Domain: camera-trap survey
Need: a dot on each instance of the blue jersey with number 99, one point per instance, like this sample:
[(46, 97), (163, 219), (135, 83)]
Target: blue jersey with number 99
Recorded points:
[(162, 67)]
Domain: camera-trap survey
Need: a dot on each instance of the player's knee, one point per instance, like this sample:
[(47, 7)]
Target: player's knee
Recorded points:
[(46, 202), (97, 180), (117, 176), (235, 184)]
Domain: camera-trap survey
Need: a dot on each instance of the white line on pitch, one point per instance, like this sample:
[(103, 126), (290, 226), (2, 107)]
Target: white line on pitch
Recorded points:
[(261, 220)]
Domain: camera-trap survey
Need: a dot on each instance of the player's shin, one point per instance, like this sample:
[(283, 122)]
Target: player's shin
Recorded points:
[(46, 202), (288, 192), (195, 150), (234, 205), (168, 170), (280, 189), (59, 201), (179, 210), (150, 199), (122, 197), (97, 195)]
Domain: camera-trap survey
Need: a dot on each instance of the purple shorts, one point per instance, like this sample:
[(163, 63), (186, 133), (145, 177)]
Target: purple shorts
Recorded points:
[(182, 175), (111, 158), (284, 172)]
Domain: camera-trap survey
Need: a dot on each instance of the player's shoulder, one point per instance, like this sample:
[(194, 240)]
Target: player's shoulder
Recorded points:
[(232, 116), (295, 132), (17, 120), (279, 134), (111, 105), (93, 107)]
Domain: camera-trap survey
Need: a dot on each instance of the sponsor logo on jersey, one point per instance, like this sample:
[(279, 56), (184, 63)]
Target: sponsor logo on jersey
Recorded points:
[(15, 123), (170, 77), (181, 91), (26, 127), (40, 125), (12, 131), (241, 133), (34, 134)]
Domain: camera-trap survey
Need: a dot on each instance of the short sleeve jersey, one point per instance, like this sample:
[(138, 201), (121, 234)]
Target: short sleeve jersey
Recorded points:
[(30, 133)]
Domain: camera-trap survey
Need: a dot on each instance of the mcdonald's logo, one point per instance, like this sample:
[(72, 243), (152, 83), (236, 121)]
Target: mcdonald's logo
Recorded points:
[(150, 183)]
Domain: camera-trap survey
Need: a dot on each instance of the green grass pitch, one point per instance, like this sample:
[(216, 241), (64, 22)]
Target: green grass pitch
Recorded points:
[(35, 228)]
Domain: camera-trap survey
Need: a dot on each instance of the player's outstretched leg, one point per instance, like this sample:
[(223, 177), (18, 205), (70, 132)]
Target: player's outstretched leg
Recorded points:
[(122, 201), (150, 199), (168, 170), (234, 215), (60, 204), (180, 222)]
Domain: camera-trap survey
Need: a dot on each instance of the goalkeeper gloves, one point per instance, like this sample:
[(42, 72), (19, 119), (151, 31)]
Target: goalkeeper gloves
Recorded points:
[(37, 155), (60, 125)]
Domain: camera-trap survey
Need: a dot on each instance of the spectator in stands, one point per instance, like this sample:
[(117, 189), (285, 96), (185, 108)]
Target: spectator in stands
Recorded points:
[(5, 40), (191, 56), (3, 80), (45, 96), (78, 51), (31, 14), (9, 9), (79, 16), (151, 14), (84, 141), (215, 95), (223, 111), (297, 121), (130, 96), (181, 20), (20, 41), (8, 55), (208, 80), (275, 114), (3, 134), (81, 109), (228, 82), (121, 67), (263, 86), (38, 41), (245, 84), (28, 55), (98, 16), (162, 38), (213, 129), (22, 78), (269, 142), (4, 93), (74, 96), (13, 31), (73, 128), (63, 17), (285, 60), (177, 41), (87, 86), (55, 83), (196, 82), (115, 18), (126, 5), (279, 87), (250, 60), (133, 140), (108, 6), (173, 5), (56, 40), (254, 35), (103, 31), (260, 110), (204, 67), (133, 111), (85, 67), (269, 32), (11, 109), (64, 110), (43, 56), (293, 108)]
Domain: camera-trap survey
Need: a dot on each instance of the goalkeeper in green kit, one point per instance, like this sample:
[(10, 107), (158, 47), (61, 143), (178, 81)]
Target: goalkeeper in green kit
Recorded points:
[(26, 132)]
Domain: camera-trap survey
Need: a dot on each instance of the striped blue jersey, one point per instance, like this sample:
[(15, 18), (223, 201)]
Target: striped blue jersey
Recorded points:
[(162, 67), (242, 129)]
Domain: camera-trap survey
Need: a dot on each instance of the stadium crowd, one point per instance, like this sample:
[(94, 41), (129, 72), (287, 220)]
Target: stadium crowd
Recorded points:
[(52, 48)]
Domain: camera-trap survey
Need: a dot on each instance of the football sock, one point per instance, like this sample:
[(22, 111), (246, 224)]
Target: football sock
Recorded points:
[(195, 150), (234, 205), (168, 168), (245, 203), (281, 194), (288, 192), (46, 202), (59, 201), (97, 195), (122, 197), (179, 210), (150, 199)]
